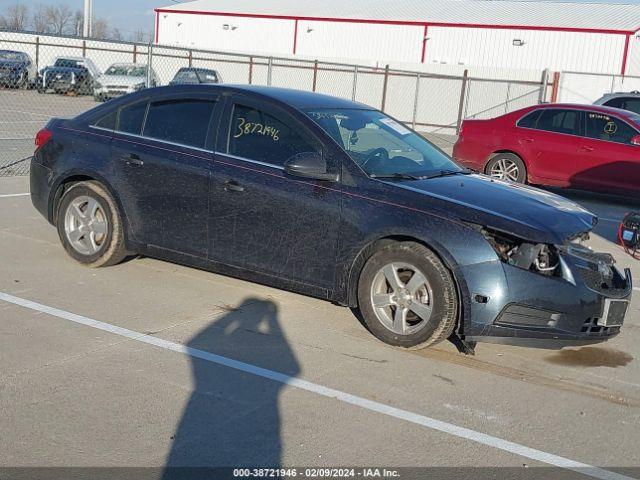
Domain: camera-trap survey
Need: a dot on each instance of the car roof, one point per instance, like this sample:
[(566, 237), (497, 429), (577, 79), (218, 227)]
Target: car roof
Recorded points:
[(128, 64), (197, 69), (65, 57), (299, 99)]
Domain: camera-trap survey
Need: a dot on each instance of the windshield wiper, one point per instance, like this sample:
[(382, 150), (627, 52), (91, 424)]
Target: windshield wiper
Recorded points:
[(446, 173), (396, 176)]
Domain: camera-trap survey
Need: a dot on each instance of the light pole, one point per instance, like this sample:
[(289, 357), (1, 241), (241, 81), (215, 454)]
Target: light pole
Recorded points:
[(88, 15)]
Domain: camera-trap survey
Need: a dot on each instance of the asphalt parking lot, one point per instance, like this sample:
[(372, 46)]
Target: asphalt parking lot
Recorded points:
[(151, 364)]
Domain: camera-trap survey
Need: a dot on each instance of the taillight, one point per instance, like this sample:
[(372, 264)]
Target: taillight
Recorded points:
[(42, 137)]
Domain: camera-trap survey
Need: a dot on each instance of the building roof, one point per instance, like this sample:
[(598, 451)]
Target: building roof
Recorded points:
[(602, 17)]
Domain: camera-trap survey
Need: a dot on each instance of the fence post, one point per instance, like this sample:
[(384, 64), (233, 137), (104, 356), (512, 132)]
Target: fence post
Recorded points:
[(190, 59), (250, 69), (463, 95), (556, 87), (84, 48), (415, 102), (270, 68), (544, 84), (384, 87), (38, 54), (315, 75), (135, 53), (149, 64), (355, 83), (506, 103), (613, 83)]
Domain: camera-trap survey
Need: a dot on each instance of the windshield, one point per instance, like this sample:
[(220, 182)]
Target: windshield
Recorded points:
[(380, 145), (127, 70), (11, 56)]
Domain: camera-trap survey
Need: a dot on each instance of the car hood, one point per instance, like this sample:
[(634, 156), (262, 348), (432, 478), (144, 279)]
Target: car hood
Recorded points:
[(121, 80), (525, 212)]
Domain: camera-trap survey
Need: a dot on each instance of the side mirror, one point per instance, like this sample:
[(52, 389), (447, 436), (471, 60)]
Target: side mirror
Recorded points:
[(635, 140), (309, 165)]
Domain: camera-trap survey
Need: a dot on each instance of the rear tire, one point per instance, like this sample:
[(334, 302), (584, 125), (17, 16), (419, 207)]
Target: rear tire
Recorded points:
[(407, 297), (507, 166), (90, 226)]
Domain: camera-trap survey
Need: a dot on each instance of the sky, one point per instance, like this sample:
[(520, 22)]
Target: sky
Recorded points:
[(127, 15), (132, 15)]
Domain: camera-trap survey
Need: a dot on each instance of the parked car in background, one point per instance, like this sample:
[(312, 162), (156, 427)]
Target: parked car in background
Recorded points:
[(192, 75), (71, 75), (330, 198), (586, 147), (123, 78), (17, 69), (624, 100)]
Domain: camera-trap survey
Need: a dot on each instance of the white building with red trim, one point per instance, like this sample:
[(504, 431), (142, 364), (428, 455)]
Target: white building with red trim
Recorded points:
[(585, 37)]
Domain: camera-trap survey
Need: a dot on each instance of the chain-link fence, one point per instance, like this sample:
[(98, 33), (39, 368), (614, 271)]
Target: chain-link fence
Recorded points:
[(56, 76)]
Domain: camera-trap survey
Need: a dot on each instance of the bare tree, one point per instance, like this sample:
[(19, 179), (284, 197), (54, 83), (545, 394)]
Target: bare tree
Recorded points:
[(40, 19), (138, 36), (17, 17), (78, 23), (100, 29), (3, 22), (116, 34), (59, 18)]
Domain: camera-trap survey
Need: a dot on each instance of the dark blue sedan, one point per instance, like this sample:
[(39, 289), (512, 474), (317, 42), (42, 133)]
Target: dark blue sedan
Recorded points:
[(332, 199)]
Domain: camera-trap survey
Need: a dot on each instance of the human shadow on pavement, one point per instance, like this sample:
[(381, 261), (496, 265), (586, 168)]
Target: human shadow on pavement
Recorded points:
[(232, 418)]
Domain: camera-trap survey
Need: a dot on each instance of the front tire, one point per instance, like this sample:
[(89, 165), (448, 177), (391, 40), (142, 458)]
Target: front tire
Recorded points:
[(90, 226), (507, 166), (407, 297)]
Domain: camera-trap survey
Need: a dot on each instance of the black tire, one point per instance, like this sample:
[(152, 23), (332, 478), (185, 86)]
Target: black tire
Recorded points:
[(509, 158), (112, 248), (444, 313)]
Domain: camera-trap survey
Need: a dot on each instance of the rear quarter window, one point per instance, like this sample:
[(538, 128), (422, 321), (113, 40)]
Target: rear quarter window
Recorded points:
[(530, 120), (108, 121), (131, 118)]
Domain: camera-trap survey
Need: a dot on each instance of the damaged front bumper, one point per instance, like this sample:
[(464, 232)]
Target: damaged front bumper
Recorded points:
[(585, 302)]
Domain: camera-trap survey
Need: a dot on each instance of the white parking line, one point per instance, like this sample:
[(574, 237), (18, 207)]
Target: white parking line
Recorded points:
[(9, 195), (414, 418)]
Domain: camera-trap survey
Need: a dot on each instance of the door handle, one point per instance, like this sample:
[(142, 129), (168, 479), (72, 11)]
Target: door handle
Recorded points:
[(132, 159), (587, 149), (527, 140), (233, 186)]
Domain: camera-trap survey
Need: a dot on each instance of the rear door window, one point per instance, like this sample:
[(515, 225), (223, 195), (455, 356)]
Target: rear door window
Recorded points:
[(182, 121), (131, 118), (560, 121), (606, 127), (258, 135)]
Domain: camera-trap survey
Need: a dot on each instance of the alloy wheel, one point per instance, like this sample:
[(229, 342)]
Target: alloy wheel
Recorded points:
[(505, 169), (402, 298), (86, 225)]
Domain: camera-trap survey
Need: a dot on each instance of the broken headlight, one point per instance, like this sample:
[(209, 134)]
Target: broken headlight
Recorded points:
[(537, 257)]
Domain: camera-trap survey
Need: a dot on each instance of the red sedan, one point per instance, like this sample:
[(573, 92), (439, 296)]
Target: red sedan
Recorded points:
[(586, 147)]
